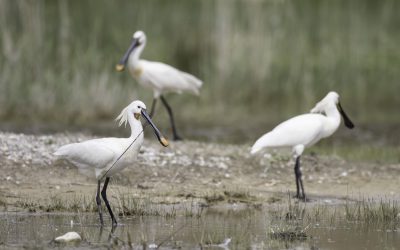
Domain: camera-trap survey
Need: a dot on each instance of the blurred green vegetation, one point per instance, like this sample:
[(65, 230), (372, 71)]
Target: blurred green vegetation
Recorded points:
[(261, 61)]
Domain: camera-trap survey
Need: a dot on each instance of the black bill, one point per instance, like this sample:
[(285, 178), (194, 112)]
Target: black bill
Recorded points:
[(121, 65), (346, 119), (160, 137)]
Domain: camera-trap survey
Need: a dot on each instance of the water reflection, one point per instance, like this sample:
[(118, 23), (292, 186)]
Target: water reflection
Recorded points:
[(246, 229)]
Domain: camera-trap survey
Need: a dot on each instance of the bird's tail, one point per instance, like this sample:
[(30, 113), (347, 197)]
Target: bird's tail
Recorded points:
[(261, 143), (194, 83), (62, 151), (256, 147)]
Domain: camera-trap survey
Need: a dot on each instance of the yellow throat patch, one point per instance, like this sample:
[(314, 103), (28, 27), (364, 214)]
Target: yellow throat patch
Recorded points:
[(137, 72)]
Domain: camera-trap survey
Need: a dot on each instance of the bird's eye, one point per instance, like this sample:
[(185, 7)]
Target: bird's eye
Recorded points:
[(138, 107)]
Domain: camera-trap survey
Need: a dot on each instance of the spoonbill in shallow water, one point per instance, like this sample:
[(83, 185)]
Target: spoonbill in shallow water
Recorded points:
[(106, 156), (305, 130), (160, 77)]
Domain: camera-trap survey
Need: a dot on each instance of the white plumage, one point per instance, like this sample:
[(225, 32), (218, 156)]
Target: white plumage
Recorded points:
[(159, 77), (162, 78), (104, 157), (305, 130), (95, 157)]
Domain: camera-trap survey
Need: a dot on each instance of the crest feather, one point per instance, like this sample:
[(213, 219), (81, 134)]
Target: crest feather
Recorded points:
[(123, 117)]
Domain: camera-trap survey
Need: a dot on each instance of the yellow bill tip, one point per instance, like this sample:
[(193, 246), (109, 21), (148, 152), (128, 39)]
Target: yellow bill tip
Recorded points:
[(120, 67), (164, 142)]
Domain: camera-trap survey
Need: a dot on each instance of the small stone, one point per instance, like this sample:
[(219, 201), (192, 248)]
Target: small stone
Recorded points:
[(225, 243), (68, 237)]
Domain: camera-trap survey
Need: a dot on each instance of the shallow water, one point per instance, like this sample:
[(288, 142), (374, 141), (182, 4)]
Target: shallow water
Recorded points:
[(247, 229)]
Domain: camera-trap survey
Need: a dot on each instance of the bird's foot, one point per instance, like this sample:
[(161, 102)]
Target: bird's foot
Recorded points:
[(302, 198), (114, 223)]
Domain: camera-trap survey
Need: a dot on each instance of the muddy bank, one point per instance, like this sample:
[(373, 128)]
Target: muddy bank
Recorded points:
[(188, 171)]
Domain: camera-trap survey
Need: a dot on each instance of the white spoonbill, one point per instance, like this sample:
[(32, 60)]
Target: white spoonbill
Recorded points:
[(305, 130), (106, 156), (160, 77)]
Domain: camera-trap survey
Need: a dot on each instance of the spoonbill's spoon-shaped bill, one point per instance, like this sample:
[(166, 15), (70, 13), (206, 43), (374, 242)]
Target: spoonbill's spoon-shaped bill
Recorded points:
[(347, 122), (304, 131), (121, 65), (157, 132)]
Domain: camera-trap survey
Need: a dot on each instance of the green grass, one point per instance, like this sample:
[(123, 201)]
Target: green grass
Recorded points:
[(381, 213), (77, 203), (230, 196), (260, 60), (123, 205), (373, 212), (288, 223), (288, 233)]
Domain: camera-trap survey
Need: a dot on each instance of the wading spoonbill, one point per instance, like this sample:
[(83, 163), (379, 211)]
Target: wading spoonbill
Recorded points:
[(106, 156), (160, 77), (305, 130)]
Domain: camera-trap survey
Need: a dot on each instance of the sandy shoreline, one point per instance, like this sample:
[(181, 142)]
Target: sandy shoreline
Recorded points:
[(187, 171)]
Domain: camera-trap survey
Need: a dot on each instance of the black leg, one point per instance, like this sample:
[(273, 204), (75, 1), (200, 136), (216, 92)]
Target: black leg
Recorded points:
[(299, 181), (153, 107), (104, 195), (296, 174), (171, 117), (98, 202)]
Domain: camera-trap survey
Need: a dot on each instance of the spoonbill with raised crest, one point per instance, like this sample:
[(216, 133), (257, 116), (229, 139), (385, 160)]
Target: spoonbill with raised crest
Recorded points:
[(304, 131), (160, 77), (106, 156)]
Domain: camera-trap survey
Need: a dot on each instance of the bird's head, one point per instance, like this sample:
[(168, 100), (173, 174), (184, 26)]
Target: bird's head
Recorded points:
[(140, 36), (331, 100), (138, 43), (138, 109), (332, 97)]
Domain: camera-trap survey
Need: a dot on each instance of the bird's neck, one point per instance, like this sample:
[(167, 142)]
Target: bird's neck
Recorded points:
[(135, 55), (332, 111), (333, 120), (136, 126)]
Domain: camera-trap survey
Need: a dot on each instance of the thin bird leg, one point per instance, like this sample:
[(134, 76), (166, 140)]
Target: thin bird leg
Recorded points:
[(303, 196), (296, 174), (104, 195), (176, 137), (153, 107), (98, 201)]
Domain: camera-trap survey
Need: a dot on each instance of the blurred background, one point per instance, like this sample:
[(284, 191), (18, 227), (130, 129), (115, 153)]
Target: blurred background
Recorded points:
[(262, 61)]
